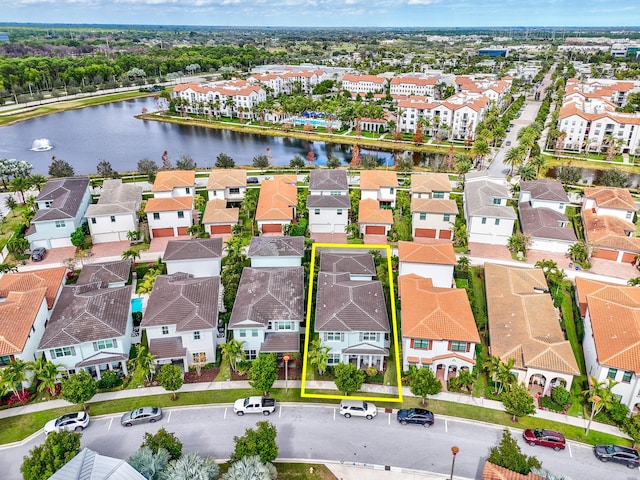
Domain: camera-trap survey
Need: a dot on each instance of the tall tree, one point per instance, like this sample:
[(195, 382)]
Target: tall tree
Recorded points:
[(599, 396), (508, 455), (185, 162), (19, 184), (170, 378), (46, 374), (225, 161), (518, 402), (60, 168), (147, 166), (233, 353), (47, 458), (13, 376), (423, 383), (79, 388), (37, 180), (105, 169), (318, 356), (263, 372), (349, 378)]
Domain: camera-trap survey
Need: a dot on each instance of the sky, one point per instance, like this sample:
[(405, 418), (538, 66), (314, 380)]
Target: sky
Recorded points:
[(328, 13)]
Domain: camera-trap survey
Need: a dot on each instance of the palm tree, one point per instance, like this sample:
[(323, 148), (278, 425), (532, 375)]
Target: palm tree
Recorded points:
[(539, 161), (491, 365), (14, 375), (144, 362), (46, 374), (466, 380), (250, 468), (37, 180), (149, 464), (131, 253), (10, 203), (527, 172), (230, 104), (514, 157), (480, 150), (504, 375), (634, 282), (233, 353), (318, 355), (599, 396), (19, 184), (192, 467), (579, 252), (199, 202)]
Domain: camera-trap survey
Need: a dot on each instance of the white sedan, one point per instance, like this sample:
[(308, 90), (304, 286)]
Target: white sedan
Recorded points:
[(75, 422)]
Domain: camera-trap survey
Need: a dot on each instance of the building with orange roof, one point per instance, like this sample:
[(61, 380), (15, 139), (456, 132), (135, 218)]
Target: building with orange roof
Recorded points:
[(433, 213), (413, 85), (434, 260), (229, 184), (614, 201), (364, 83), (372, 220), (169, 217), (218, 219), (285, 81), (524, 327), (438, 328), (276, 204), (53, 279), (229, 98), (379, 185), (611, 341), (495, 472), (174, 183)]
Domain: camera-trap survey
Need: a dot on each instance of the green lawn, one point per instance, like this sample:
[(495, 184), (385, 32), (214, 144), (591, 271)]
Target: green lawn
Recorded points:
[(570, 327), (10, 223)]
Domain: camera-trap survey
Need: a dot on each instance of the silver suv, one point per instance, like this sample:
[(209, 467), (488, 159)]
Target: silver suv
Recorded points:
[(358, 408)]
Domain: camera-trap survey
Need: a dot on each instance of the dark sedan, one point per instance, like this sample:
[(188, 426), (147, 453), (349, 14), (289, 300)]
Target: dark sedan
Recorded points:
[(416, 415), (616, 453), (38, 254), (141, 415), (544, 438)]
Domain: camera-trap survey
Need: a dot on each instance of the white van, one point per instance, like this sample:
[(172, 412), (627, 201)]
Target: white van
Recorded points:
[(358, 408)]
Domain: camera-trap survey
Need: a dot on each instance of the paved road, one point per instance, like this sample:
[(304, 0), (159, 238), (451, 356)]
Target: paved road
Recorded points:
[(318, 432)]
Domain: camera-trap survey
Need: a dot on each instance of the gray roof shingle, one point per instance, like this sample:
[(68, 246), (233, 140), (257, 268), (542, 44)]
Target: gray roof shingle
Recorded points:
[(116, 197), (355, 264), (66, 196), (545, 189), (479, 195), (543, 223), (276, 247), (193, 249), (328, 180), (109, 272), (328, 201)]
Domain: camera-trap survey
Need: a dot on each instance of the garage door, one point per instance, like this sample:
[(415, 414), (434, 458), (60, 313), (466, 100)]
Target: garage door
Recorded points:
[(446, 234), (106, 237), (61, 242), (425, 232), (182, 231), (375, 230), (321, 228), (605, 254), (629, 257), (219, 229), (271, 228), (39, 243), (162, 232)]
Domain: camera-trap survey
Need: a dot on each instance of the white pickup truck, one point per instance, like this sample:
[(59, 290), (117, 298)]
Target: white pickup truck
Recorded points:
[(263, 405)]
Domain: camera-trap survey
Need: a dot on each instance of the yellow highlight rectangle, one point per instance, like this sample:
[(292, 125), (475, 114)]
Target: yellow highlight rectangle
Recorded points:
[(395, 332)]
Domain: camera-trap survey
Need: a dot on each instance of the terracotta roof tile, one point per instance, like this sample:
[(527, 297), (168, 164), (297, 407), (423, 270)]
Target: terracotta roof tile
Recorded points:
[(494, 472), (375, 179), (436, 253), (50, 278), (434, 205), (168, 204), (17, 314), (277, 199), (370, 212), (216, 212), (607, 231), (427, 183), (167, 180), (220, 179), (611, 197)]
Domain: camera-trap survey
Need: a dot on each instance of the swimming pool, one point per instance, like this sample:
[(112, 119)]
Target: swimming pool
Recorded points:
[(136, 305), (316, 122)]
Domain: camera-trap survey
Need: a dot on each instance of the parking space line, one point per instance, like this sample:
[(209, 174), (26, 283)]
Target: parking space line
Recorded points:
[(169, 417), (446, 426), (570, 452), (280, 412), (110, 422), (225, 413), (334, 414), (389, 419)]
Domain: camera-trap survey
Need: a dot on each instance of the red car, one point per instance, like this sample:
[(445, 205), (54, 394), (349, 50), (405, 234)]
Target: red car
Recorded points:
[(545, 438)]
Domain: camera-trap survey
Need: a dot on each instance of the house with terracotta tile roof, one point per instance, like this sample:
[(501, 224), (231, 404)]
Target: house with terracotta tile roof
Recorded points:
[(181, 320), (430, 185), (218, 219), (53, 279), (285, 81), (61, 206), (438, 328), (379, 185), (212, 99), (200, 257), (276, 204), (268, 310), (228, 184), (489, 218), (351, 319), (364, 84), (328, 201), (608, 215), (542, 205), (174, 183), (434, 260), (524, 326), (413, 85), (611, 341), (90, 329), (495, 472), (433, 213), (372, 220), (116, 213), (169, 216)]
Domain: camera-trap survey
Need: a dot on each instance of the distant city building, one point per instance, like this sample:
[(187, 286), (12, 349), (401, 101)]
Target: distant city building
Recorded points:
[(4, 37), (493, 52)]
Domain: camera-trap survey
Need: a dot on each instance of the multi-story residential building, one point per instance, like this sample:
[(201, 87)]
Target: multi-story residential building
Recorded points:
[(542, 205), (413, 85), (181, 320), (277, 204), (231, 98), (268, 310), (372, 220), (430, 260), (379, 185), (227, 184), (524, 327), (61, 204), (489, 218), (116, 213), (289, 81), (218, 219), (170, 212), (276, 251), (438, 327), (174, 183), (364, 83), (433, 213), (108, 274), (200, 257), (359, 266), (328, 201)]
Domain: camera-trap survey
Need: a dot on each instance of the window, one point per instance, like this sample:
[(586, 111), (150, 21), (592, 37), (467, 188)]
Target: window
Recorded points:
[(113, 219), (60, 224), (391, 190), (484, 220), (458, 346), (336, 193), (332, 336), (629, 215), (339, 211), (423, 216), (93, 220), (242, 333), (333, 359), (497, 222), (62, 352), (156, 215), (254, 332), (234, 191), (612, 373), (421, 344), (180, 214), (200, 357), (284, 325), (165, 330), (446, 217), (496, 201), (103, 344), (196, 335), (250, 354), (627, 377), (370, 336), (48, 204), (5, 360), (316, 211), (188, 190), (438, 194)]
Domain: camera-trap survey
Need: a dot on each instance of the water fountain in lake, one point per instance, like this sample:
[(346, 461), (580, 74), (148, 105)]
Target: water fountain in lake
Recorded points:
[(41, 145)]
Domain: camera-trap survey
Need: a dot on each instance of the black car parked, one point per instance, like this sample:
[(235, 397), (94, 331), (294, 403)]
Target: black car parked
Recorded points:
[(416, 415), (37, 254), (253, 180), (616, 453)]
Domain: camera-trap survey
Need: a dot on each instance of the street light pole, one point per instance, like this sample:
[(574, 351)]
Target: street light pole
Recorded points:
[(286, 373), (454, 451)]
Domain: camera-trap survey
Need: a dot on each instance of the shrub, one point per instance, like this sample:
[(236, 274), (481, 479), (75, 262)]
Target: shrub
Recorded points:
[(371, 371), (549, 404), (21, 398), (561, 396), (109, 379)]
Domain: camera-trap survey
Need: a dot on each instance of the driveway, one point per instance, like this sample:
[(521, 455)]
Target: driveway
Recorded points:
[(375, 240), (158, 245), (108, 250), (54, 258), (329, 237)]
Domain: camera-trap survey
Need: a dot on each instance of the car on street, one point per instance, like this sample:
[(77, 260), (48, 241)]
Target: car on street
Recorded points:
[(70, 422), (253, 180), (358, 408), (141, 415), (38, 254), (418, 416), (616, 453), (544, 438), (508, 143)]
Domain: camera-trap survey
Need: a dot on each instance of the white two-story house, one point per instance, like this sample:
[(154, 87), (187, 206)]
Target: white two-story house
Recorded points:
[(429, 260), (328, 201), (116, 213), (181, 320), (276, 251), (61, 204), (277, 204), (379, 185), (351, 319), (227, 184), (200, 257), (170, 211), (268, 310), (433, 213), (438, 328)]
